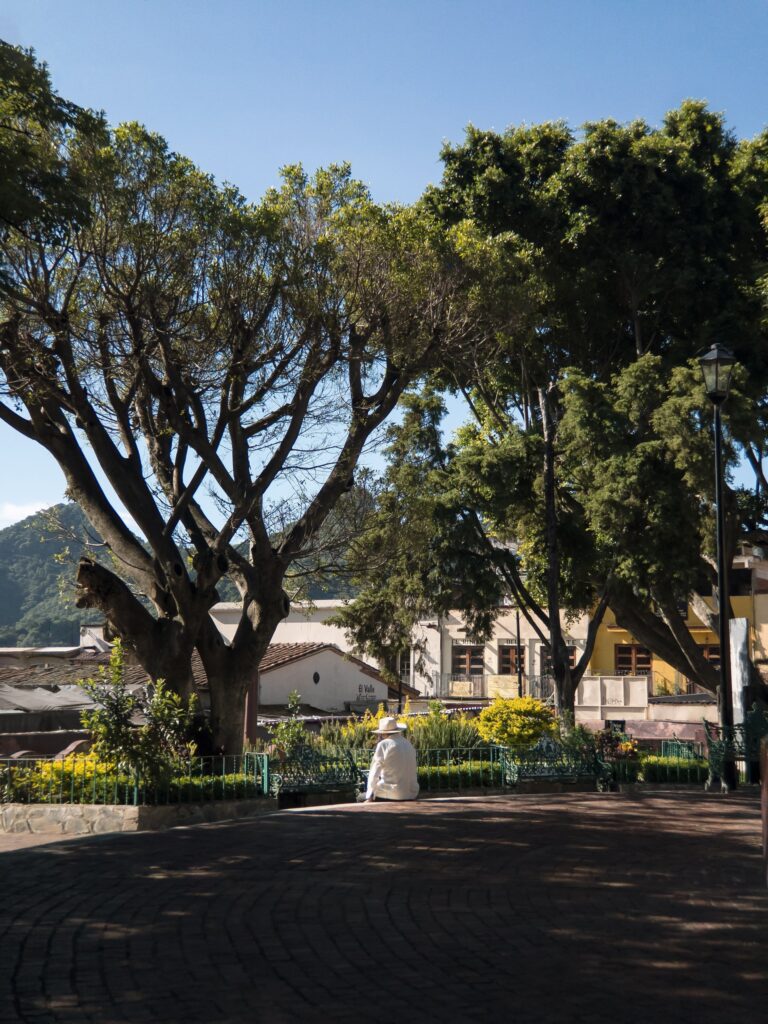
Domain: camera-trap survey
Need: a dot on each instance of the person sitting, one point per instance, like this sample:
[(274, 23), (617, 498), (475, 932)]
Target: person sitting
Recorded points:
[(393, 773)]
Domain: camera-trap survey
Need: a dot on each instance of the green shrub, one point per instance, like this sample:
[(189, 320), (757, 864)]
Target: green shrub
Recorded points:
[(83, 779), (77, 779), (518, 723), (625, 770), (577, 741), (289, 736), (464, 775), (144, 731), (354, 734), (655, 768)]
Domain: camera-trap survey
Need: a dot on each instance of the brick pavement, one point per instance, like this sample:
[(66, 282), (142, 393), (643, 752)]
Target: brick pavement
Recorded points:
[(568, 909)]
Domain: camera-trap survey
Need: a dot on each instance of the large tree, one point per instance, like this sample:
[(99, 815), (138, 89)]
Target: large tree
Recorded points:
[(215, 369), (635, 247)]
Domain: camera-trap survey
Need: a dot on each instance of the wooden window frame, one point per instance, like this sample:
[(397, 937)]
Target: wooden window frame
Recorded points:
[(470, 655), (508, 659), (636, 653)]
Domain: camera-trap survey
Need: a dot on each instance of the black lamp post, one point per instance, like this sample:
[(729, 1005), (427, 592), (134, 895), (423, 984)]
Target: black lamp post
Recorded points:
[(717, 366), (517, 655)]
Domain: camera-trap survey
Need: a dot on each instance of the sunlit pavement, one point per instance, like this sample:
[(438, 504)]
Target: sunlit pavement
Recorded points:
[(530, 909)]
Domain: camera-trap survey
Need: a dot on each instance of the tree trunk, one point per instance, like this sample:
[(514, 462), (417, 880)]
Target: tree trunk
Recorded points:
[(227, 719), (565, 691), (680, 651), (561, 670), (162, 646), (231, 669)]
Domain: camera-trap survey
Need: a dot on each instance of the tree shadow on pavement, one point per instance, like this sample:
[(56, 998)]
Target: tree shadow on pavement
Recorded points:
[(569, 908)]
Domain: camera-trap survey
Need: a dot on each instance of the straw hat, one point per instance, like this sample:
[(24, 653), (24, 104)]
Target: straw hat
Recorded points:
[(388, 726)]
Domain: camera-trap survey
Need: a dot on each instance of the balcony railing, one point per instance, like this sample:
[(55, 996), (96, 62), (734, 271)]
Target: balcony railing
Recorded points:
[(459, 684)]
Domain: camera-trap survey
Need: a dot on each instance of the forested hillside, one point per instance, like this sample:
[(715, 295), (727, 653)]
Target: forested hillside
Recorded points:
[(38, 558), (37, 571)]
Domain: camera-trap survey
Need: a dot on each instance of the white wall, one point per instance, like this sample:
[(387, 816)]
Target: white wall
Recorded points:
[(304, 625), (340, 682), (620, 697)]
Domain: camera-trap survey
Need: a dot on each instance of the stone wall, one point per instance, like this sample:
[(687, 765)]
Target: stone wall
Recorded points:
[(94, 819)]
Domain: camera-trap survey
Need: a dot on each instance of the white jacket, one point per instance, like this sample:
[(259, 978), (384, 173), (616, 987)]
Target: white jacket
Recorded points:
[(393, 774)]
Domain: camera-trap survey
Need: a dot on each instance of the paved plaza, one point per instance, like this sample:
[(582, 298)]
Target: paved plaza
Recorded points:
[(566, 908)]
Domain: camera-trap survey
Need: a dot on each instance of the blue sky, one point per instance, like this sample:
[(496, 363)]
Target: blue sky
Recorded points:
[(245, 87)]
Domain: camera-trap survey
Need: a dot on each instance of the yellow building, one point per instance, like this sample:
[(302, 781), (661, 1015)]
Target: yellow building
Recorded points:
[(617, 652)]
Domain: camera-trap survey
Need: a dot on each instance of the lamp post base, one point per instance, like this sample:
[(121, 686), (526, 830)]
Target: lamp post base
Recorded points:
[(727, 781)]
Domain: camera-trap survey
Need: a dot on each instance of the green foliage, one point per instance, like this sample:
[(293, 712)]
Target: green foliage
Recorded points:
[(354, 734), (635, 448), (145, 733), (291, 735), (204, 349), (518, 723), (86, 779), (459, 775), (419, 554), (608, 248), (438, 731), (357, 733), (577, 741), (655, 768), (40, 190)]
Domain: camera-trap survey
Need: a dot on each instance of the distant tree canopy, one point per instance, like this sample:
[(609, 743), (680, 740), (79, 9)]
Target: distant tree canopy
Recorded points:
[(39, 187), (224, 363), (631, 249)]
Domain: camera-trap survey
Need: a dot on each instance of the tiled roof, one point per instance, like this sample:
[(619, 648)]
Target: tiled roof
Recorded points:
[(63, 671), (283, 654)]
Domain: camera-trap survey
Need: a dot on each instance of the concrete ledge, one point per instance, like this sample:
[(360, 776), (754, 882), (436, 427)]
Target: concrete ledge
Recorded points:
[(94, 819)]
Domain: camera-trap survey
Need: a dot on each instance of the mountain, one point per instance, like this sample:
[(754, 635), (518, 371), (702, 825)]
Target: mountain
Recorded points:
[(37, 575), (38, 561)]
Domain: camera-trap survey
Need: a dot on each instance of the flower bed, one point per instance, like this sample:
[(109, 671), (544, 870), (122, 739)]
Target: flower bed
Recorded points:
[(84, 779)]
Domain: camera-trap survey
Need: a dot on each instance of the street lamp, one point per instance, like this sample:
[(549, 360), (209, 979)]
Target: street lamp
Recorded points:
[(717, 366), (517, 653)]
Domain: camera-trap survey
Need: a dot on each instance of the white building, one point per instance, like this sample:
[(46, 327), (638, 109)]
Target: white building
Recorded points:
[(325, 677), (445, 660)]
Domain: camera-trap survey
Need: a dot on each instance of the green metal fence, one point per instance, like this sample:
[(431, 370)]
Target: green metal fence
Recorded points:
[(459, 768), (442, 768), (682, 749), (83, 780)]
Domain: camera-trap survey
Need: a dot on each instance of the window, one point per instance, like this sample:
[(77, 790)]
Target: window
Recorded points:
[(632, 660), (712, 653), (467, 660), (740, 582), (508, 659), (546, 661), (405, 665)]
